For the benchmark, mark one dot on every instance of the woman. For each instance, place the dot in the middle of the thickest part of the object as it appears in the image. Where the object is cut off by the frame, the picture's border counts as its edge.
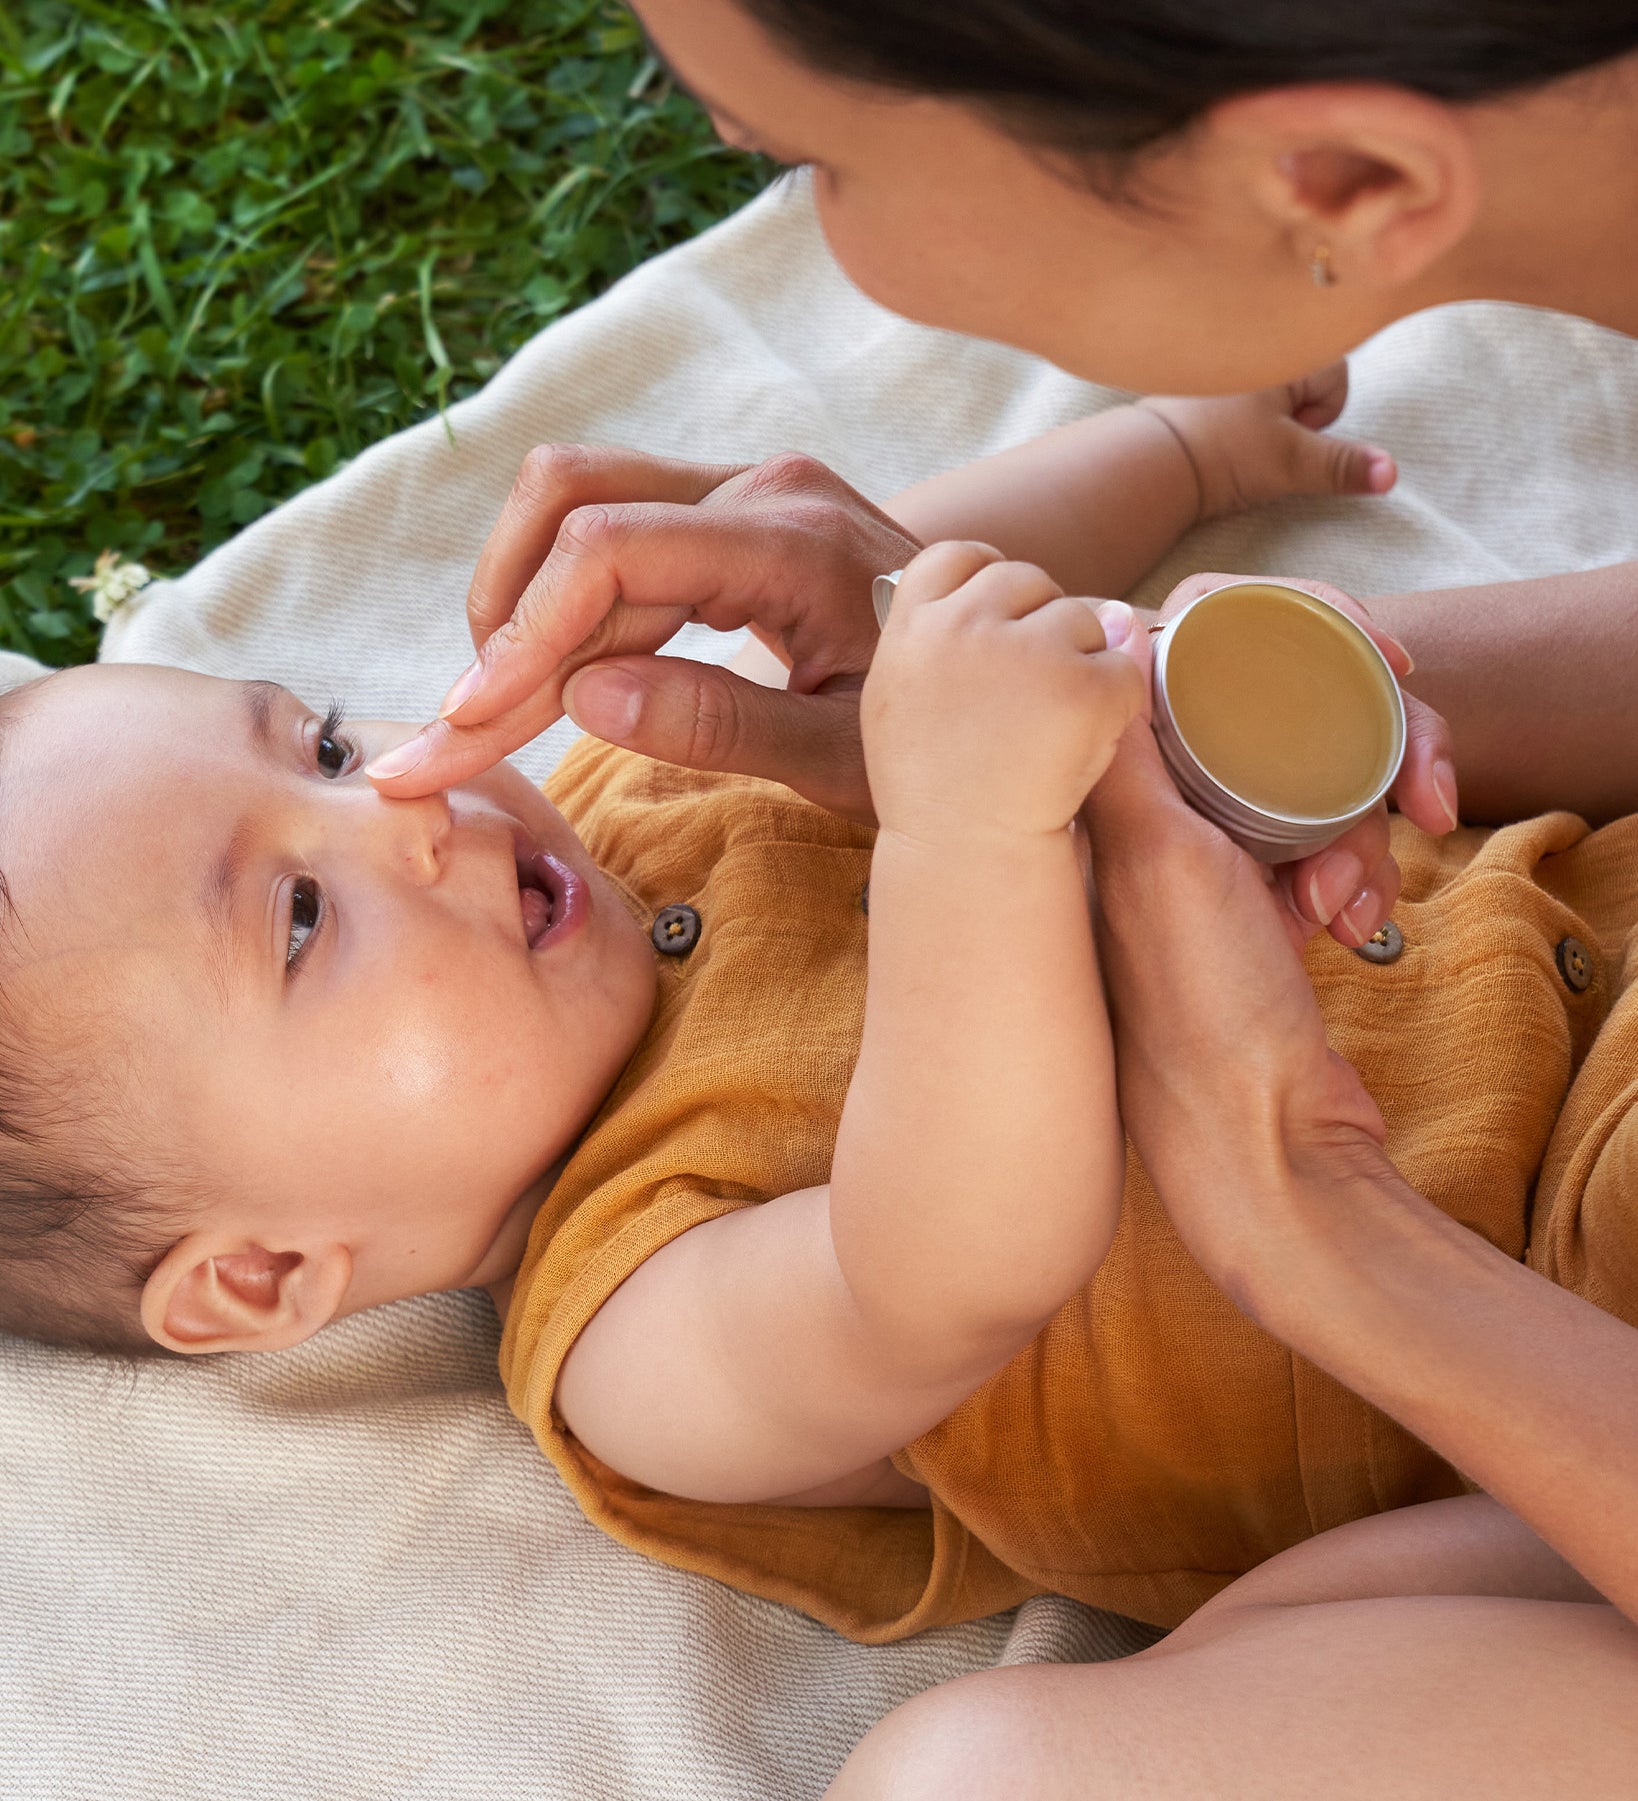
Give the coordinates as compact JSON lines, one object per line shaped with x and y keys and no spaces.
{"x":1202,"y":195}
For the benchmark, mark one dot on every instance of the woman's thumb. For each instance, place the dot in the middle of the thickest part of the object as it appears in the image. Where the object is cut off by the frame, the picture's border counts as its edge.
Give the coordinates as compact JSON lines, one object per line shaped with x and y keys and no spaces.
{"x":704,"y":717}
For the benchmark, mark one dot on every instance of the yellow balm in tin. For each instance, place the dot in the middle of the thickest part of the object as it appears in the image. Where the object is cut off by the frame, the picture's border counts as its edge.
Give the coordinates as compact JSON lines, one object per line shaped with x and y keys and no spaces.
{"x":1278,"y":717}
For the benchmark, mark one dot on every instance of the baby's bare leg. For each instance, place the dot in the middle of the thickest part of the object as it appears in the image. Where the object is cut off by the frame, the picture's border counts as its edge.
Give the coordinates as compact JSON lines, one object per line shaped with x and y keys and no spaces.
{"x":1287,"y":1691}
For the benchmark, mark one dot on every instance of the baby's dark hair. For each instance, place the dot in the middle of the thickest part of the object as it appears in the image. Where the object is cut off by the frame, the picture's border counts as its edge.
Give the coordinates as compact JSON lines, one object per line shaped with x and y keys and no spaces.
{"x":1104,"y":79}
{"x":83,"y":1219}
{"x":80,"y":1233}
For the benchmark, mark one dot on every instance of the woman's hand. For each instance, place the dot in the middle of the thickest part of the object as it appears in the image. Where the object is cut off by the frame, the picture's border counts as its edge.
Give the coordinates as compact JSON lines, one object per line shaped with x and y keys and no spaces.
{"x":1224,"y":1065}
{"x":1266,"y":1151}
{"x":1350,"y":886}
{"x":601,"y":556}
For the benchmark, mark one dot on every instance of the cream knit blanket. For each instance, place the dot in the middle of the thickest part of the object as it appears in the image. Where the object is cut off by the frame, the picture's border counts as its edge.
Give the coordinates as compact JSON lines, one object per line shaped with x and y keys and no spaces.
{"x":344,"y":1570}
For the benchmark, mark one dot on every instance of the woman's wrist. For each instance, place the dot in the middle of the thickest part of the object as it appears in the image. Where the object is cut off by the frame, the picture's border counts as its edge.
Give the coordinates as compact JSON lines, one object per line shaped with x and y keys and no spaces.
{"x":1259,"y":1216}
{"x":1316,"y":1228}
{"x":1337,"y":1256}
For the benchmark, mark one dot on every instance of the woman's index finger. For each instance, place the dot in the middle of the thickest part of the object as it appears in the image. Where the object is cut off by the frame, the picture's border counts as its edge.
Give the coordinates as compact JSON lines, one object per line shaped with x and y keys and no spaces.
{"x":552,"y":482}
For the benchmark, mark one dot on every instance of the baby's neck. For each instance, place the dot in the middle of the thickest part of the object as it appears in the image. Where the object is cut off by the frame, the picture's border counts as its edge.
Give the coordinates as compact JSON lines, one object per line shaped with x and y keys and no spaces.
{"x":499,"y":1271}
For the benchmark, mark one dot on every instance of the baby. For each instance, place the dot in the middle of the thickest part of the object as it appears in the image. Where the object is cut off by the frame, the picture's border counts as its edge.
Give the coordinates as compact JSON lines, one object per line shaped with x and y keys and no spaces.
{"x":830,"y":1280}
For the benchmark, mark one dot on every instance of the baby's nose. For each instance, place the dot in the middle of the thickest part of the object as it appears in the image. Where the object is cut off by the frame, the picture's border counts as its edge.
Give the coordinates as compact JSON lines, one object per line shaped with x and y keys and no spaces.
{"x":415,"y":835}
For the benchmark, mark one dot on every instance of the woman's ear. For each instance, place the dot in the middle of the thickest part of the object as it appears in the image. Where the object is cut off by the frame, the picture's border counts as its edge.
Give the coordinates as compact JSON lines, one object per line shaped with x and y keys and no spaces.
{"x":211,"y":1293}
{"x":1378,"y":183}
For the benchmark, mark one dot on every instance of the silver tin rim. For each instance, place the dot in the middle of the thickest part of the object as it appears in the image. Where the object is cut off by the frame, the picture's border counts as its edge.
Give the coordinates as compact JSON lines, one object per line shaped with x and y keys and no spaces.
{"x":1268,"y":835}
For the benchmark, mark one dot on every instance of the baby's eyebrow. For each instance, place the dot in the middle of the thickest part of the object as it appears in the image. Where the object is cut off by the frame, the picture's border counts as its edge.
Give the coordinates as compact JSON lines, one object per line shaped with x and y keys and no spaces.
{"x":261,"y":698}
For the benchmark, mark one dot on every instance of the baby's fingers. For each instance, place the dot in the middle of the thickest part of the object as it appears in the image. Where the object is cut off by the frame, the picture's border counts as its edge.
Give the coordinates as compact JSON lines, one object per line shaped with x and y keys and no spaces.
{"x":1324,"y":464}
{"x":938,"y":571}
{"x":1071,"y":621}
{"x":1114,"y":663}
{"x":1317,"y":400}
{"x":1122,"y":690}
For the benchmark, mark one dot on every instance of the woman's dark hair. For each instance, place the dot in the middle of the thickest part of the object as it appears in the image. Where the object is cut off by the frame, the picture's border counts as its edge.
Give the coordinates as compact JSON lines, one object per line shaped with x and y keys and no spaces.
{"x":1107,"y":78}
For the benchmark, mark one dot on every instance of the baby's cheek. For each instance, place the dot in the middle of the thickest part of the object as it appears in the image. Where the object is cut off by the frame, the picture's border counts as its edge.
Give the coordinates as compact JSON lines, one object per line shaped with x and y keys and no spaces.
{"x":469,"y":1036}
{"x":417,"y":1064}
{"x":456,"y":1098}
{"x":440,"y":1035}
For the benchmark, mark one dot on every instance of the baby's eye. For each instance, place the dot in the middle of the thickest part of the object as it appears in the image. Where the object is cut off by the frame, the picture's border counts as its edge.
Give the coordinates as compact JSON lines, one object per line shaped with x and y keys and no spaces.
{"x":333,"y":752}
{"x":306,"y":910}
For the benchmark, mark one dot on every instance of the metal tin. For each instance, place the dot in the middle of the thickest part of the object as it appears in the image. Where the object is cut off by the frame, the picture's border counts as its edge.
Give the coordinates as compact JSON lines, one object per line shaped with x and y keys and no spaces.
{"x":1269,"y":836}
{"x":882,"y":590}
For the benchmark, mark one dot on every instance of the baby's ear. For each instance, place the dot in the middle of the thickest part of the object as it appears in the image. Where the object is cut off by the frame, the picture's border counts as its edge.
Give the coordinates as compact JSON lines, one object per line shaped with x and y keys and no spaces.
{"x":212,"y":1293}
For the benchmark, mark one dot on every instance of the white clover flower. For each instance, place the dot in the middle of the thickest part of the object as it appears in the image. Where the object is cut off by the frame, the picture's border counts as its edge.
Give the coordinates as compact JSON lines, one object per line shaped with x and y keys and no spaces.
{"x":111,"y":583}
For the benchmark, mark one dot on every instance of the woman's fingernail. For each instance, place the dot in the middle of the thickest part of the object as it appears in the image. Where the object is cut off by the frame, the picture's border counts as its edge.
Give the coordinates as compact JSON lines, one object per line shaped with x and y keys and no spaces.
{"x":604,"y":702}
{"x":466,"y":685}
{"x":400,"y":760}
{"x":1338,"y":875}
{"x":1116,"y":618}
{"x":1400,"y":660}
{"x":1361,"y":917}
{"x":1444,"y":785}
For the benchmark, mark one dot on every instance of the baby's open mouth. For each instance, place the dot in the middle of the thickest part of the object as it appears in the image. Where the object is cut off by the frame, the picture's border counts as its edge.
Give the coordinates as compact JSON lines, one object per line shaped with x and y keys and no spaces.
{"x":552,"y":898}
{"x":542,"y":892}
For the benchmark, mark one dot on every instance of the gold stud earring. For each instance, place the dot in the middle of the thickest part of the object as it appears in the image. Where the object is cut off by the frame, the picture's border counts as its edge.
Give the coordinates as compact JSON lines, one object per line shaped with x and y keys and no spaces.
{"x":1320,"y":268}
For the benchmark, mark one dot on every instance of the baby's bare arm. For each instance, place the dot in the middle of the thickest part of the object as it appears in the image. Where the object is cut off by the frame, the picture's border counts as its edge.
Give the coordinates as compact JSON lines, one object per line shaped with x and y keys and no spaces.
{"x":977,"y":1175}
{"x":1100,"y":502}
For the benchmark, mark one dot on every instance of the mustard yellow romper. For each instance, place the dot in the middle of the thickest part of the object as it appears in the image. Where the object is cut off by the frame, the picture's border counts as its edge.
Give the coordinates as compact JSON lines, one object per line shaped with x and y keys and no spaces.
{"x":1151,"y":1444}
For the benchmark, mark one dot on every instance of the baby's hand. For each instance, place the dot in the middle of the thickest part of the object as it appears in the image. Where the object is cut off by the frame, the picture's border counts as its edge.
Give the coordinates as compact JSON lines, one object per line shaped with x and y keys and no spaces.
{"x":1251,"y":448}
{"x":992,"y":706}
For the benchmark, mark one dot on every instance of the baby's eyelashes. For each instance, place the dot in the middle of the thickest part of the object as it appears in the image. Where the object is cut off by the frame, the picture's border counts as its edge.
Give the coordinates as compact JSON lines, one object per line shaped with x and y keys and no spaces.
{"x":334,"y":752}
{"x":306,"y":912}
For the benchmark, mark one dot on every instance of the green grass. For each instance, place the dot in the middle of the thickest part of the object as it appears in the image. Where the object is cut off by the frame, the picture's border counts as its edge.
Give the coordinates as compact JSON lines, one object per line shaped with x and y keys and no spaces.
{"x":242,"y":239}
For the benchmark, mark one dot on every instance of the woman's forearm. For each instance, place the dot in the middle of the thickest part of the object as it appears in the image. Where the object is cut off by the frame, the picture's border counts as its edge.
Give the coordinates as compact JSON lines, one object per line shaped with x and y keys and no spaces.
{"x":1528,"y":1390}
{"x":1539,"y":681}
{"x":1266,"y":1150}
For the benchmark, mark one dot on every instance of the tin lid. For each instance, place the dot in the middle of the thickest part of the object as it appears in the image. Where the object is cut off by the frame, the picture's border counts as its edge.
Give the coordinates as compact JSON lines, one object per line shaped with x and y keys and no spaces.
{"x":882,"y":590}
{"x":1213,"y":793}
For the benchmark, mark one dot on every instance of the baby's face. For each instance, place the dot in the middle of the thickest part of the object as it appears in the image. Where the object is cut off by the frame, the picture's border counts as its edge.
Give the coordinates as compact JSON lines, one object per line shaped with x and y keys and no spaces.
{"x":359,"y":1022}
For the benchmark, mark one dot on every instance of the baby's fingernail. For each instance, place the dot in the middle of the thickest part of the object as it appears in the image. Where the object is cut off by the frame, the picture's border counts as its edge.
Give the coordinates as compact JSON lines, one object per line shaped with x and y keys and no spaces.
{"x":1116,"y":618}
{"x":1444,"y":785}
{"x":1334,"y":878}
{"x":400,"y":760}
{"x":466,"y":685}
{"x":1380,"y":472}
{"x":604,"y":702}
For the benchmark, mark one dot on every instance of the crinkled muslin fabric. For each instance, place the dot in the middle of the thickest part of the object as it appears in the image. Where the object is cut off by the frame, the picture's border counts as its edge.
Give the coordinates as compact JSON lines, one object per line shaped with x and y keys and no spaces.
{"x":346,"y":1570}
{"x":1151,"y":1443}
